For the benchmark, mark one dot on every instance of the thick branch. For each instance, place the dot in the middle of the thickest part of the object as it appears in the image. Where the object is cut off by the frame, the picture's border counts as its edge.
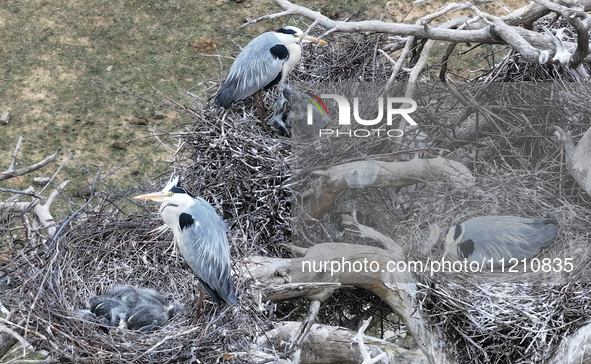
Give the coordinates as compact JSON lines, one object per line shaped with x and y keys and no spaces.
{"x":43,"y":218}
{"x":506,"y":29}
{"x":330,"y":344}
{"x":576,"y":18}
{"x":397,"y":289}
{"x":381,"y":174}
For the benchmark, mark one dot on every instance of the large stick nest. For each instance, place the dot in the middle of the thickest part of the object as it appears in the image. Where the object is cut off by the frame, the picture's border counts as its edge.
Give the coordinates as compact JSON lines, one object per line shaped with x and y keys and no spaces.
{"x":244,"y":172}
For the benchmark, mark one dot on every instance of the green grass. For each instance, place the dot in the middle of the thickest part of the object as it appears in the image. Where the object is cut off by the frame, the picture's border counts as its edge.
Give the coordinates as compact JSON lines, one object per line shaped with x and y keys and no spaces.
{"x":53,"y":51}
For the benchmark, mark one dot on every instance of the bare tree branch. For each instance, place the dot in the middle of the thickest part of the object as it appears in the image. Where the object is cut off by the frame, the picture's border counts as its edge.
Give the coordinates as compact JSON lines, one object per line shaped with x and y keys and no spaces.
{"x":381,"y":174}
{"x":13,"y":172}
{"x":482,"y":29}
{"x":397,"y":289}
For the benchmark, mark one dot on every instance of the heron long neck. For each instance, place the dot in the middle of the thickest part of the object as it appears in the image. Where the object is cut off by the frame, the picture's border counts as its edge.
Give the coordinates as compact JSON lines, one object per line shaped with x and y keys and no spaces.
{"x":295,"y":54}
{"x":171,"y":211}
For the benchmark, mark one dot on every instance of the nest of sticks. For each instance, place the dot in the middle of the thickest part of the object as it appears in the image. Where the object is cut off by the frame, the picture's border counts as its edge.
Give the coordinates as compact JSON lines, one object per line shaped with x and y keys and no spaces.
{"x":245,"y":172}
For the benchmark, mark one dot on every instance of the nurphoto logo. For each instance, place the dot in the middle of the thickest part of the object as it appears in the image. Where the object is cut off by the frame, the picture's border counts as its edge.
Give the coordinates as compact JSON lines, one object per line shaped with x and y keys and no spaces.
{"x":316,"y":101}
{"x":406,"y":107}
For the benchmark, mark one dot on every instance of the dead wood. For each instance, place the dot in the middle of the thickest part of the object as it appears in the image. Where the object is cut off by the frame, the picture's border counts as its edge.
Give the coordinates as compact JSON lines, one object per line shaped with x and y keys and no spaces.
{"x":330,"y":344}
{"x":397,"y":289}
{"x":483,"y":28}
{"x":336,"y":179}
{"x":11,"y":171}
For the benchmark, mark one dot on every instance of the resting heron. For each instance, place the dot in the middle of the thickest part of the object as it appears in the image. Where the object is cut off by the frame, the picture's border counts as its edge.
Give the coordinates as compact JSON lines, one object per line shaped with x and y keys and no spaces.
{"x":263,"y":63}
{"x":133,"y":308}
{"x":201,"y":237}
{"x":497,"y":237}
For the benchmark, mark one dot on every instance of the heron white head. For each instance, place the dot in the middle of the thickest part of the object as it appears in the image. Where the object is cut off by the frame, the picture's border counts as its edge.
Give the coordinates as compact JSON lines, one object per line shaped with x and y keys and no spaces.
{"x":452,"y":238}
{"x":171,"y":192}
{"x":289,"y":34}
{"x":200,"y":234}
{"x":174,"y":201}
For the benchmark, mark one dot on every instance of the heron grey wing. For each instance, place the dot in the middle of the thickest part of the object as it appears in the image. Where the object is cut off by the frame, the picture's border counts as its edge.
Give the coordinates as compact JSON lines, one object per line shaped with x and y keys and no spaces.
{"x":512,"y":237}
{"x":147,"y":317}
{"x":535,"y":234}
{"x":204,"y":246}
{"x":254,"y":68}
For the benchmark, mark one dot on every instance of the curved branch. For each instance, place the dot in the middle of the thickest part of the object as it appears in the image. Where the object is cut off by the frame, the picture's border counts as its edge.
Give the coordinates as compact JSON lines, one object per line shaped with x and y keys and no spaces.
{"x":381,"y":174}
{"x":501,"y":30}
{"x":13,"y":172}
{"x":397,"y":289}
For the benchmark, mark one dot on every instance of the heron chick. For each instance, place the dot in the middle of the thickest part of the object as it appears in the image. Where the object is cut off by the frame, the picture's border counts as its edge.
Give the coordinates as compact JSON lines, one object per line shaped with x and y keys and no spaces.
{"x":499,"y":237}
{"x":263,"y":63}
{"x":201,"y":238}
{"x":128,"y":307}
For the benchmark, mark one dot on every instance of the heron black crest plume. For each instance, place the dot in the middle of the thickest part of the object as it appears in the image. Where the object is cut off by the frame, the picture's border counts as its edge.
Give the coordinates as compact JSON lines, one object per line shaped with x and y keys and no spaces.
{"x":201,"y":238}
{"x":264,"y":62}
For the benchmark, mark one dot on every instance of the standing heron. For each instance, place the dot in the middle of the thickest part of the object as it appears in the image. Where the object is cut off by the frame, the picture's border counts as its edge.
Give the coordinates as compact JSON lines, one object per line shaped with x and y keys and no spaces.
{"x":201,"y":237}
{"x":263,"y":63}
{"x":499,"y":237}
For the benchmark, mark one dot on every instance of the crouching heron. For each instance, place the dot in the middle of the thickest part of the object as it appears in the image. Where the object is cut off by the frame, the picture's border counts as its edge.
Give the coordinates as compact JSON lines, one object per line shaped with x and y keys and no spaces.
{"x":133,"y":308}
{"x":499,"y":237}
{"x":263,"y":63}
{"x":201,"y":237}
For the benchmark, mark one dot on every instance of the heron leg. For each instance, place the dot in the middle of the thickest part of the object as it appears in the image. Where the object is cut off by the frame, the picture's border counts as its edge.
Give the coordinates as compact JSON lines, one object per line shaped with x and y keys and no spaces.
{"x":199,"y":305}
{"x":259,"y":103}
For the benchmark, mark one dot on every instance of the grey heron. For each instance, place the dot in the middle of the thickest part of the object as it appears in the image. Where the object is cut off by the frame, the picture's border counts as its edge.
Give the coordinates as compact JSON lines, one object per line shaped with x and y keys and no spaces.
{"x":201,"y":237}
{"x":148,"y":317}
{"x":133,"y":308}
{"x":497,"y":237}
{"x":132,"y":296}
{"x":111,"y":311}
{"x":263,"y":63}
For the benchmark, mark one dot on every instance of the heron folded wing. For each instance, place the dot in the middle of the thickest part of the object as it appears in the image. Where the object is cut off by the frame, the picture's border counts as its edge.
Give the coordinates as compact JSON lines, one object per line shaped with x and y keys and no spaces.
{"x":205,"y":248}
{"x":254,"y":68}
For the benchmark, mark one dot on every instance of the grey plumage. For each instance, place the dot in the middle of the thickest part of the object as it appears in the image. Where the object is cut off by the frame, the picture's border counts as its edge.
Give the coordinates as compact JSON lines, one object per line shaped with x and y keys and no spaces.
{"x":134,"y":308}
{"x":147,"y":317}
{"x":201,"y":237}
{"x":112,"y":311}
{"x":254,"y":68}
{"x":133,"y":296}
{"x":204,"y":246}
{"x":264,"y":62}
{"x":498,"y":237}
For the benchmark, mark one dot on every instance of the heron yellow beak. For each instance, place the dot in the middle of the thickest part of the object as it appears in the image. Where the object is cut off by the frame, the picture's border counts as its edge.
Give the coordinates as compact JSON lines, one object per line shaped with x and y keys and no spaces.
{"x":312,"y":39}
{"x":156,"y":196}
